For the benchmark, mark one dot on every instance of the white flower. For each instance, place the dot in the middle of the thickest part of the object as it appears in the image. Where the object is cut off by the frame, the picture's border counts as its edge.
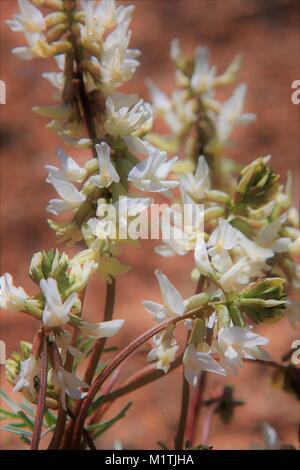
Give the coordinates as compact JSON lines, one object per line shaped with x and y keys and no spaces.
{"x":71,"y":197}
{"x":29,"y":20}
{"x":69,"y":384}
{"x":70,"y":170}
{"x":231,"y":113}
{"x":236,"y":276}
{"x":196,"y":184}
{"x":159,"y":99}
{"x":173,"y":304}
{"x":203,"y":76}
{"x":107,"y":171}
{"x":104,"y":15}
{"x":150,"y":174}
{"x":224,"y":237}
{"x":182,"y":114}
{"x":56,"y":313}
{"x":201,"y":258}
{"x":128,"y":208}
{"x":252,"y":250}
{"x":181,"y":227}
{"x":118,"y":63}
{"x":268,"y":237}
{"x":101,"y":330}
{"x":163,"y":352}
{"x":127,"y":114}
{"x":270,"y":437}
{"x":236,"y":343}
{"x":63,"y":341}
{"x":82,"y":273}
{"x":11,"y":298}
{"x":195,"y":362}
{"x":24,"y":52}
{"x":29,"y":369}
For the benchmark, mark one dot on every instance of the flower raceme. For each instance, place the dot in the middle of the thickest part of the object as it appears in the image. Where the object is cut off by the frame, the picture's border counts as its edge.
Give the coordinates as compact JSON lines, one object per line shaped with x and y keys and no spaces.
{"x":245,"y":236}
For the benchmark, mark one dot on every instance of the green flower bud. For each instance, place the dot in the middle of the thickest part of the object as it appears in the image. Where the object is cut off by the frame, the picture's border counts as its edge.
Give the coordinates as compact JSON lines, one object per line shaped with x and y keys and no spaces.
{"x":264,"y":299}
{"x":258,"y":184}
{"x":198,"y":332}
{"x":196,"y":301}
{"x":48,"y":264}
{"x":236,"y":316}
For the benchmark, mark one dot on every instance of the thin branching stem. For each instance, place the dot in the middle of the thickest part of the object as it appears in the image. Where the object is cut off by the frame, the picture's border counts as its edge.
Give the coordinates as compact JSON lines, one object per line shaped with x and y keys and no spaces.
{"x":118,"y":359}
{"x":41,"y":403}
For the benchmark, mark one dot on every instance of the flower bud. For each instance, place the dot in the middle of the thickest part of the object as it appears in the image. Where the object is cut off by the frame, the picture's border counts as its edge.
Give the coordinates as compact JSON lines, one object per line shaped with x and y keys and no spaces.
{"x":197,"y":301}
{"x":258,"y":184}
{"x":48,"y":264}
{"x":236,"y":316}
{"x":264,"y":299}
{"x":217,"y":196}
{"x":197,"y":333}
{"x":213,"y":213}
{"x":54,"y":19}
{"x":56,"y":32}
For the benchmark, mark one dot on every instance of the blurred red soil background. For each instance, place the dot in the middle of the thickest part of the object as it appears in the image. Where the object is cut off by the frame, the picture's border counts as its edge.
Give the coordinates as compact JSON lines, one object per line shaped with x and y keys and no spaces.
{"x":266,"y":33}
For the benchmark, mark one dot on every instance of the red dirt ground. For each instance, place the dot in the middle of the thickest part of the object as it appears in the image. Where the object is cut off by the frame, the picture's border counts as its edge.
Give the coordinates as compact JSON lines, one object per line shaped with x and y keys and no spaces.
{"x":266,"y":33}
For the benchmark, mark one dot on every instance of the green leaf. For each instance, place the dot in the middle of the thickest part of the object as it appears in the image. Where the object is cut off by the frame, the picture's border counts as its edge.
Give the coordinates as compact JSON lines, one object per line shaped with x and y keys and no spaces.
{"x":25,"y":440}
{"x":27,"y":421}
{"x":16,"y":430}
{"x":49,"y":418}
{"x":4,"y":414}
{"x":8,"y":401}
{"x":100,"y":428}
{"x":29,"y":409}
{"x":162,"y":445}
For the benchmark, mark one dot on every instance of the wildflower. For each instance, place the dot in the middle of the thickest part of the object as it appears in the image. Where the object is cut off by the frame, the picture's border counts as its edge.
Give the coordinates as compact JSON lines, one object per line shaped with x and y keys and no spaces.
{"x":101,"y":330}
{"x":29,"y":369}
{"x":63,"y":341}
{"x":71,"y":197}
{"x":203,"y":76}
{"x":70,"y":170}
{"x":196,"y":184}
{"x":56,"y":313}
{"x":231,"y":113}
{"x":159,"y":99}
{"x":127,"y":114}
{"x":11,"y":298}
{"x":236,"y":343}
{"x":150,"y":174}
{"x":68,"y":384}
{"x":173,"y":304}
{"x":30,"y":19}
{"x":163,"y":352}
{"x":195,"y":362}
{"x":107,"y":171}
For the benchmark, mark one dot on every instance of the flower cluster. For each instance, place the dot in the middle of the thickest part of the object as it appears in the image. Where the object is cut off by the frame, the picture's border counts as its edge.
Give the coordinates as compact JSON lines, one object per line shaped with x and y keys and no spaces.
{"x":240,"y":224}
{"x":58,"y":304}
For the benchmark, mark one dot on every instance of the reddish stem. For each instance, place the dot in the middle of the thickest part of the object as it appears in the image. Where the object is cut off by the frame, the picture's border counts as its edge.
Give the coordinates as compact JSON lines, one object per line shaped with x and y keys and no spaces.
{"x":39,"y":416}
